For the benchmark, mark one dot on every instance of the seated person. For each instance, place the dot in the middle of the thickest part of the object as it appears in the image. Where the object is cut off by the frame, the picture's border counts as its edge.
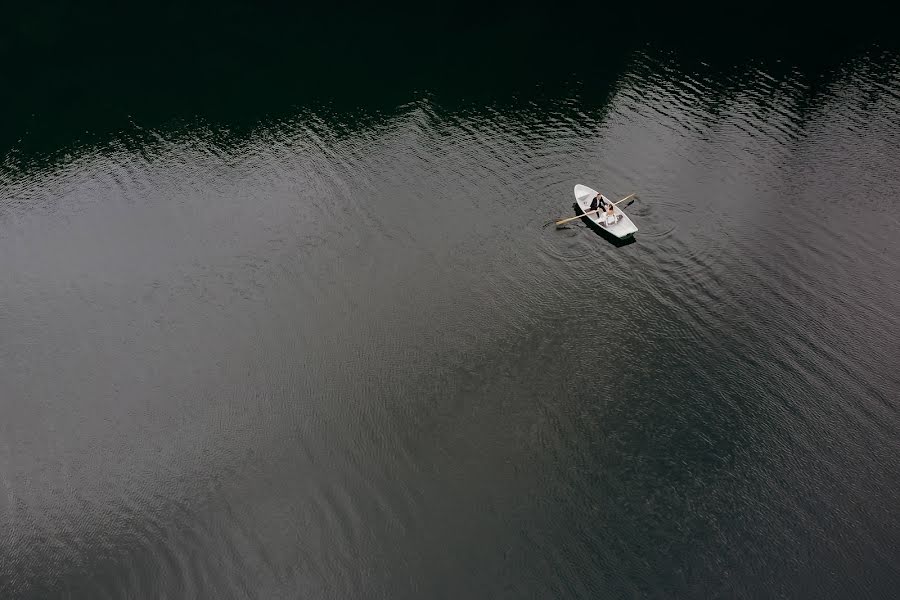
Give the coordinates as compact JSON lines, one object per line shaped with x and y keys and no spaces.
{"x":611,"y":215}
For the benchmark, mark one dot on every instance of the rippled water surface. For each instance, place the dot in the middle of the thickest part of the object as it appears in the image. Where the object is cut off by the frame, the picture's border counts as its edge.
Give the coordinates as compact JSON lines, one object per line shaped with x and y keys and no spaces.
{"x":336,"y":351}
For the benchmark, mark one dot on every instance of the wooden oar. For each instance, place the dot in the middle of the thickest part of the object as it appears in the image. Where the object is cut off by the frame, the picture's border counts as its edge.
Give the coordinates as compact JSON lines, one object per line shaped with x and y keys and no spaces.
{"x":590,"y":212}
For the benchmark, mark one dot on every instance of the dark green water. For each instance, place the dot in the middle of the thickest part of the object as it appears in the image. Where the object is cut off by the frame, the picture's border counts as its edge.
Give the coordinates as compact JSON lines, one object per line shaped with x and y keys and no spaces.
{"x":280,"y":316}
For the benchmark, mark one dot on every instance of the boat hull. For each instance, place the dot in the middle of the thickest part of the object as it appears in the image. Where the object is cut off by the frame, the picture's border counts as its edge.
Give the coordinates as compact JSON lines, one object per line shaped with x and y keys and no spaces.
{"x":623,"y":227}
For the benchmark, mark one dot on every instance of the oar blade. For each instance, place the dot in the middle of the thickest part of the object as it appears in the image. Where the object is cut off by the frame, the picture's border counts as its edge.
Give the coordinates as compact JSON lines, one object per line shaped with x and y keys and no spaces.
{"x":626,"y":200}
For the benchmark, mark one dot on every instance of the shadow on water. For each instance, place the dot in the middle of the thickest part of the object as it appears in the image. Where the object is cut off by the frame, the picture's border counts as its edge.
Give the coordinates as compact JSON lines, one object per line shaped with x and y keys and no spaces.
{"x":618,"y":243}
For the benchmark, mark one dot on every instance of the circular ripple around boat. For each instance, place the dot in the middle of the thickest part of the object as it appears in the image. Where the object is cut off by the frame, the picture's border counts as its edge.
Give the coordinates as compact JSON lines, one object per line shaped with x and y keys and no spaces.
{"x":573,"y":241}
{"x":650,"y":220}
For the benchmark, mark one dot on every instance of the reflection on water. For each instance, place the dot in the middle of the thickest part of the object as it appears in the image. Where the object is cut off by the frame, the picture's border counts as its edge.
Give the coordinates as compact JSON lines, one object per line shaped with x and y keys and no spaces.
{"x":335,"y":353}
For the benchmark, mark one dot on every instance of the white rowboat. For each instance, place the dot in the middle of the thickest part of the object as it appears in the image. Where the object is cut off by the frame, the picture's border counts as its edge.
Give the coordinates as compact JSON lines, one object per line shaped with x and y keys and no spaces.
{"x":622,"y":227}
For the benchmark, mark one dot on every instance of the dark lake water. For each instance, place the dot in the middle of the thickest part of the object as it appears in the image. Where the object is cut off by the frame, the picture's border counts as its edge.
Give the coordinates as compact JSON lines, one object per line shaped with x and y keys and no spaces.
{"x":281,"y":315}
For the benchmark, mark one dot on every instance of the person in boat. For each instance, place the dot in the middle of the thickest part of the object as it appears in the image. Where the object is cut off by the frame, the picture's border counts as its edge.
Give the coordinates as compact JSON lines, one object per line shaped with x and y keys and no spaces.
{"x":610,"y":214}
{"x":598,"y":202}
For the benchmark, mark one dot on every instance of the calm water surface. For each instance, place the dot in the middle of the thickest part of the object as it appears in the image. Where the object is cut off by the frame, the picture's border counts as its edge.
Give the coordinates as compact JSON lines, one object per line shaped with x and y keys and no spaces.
{"x":329,"y":348}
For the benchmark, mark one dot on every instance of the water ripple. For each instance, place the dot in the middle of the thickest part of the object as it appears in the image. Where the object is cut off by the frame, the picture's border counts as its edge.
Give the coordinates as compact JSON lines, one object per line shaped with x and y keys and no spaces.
{"x":341,"y":352}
